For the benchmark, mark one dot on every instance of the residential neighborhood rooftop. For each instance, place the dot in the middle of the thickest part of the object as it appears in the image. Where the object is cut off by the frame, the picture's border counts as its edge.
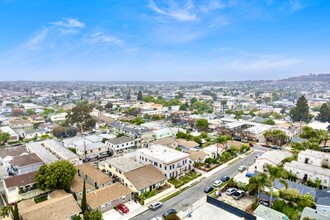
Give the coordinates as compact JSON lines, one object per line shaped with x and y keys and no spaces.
{"x":106,"y":194}
{"x":123,"y":163}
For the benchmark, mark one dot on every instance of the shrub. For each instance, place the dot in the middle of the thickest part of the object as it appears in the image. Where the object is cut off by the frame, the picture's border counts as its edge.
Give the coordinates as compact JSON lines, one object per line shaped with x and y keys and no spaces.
{"x":290,"y":194}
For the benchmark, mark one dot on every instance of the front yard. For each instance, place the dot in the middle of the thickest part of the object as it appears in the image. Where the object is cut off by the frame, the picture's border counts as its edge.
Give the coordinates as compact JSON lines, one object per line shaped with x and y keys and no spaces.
{"x":177,"y":182}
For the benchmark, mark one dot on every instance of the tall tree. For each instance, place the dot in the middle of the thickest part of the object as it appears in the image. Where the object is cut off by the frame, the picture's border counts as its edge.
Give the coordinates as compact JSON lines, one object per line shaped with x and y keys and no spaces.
{"x":278,"y":137}
{"x":139,"y":96}
{"x":15,"y":212}
{"x":300,"y":113}
{"x":202,"y":125}
{"x":223,"y":103}
{"x":80,"y":116}
{"x":256,"y":184}
{"x":274,"y":172}
{"x":324,"y":115}
{"x":83,"y":200}
{"x":4,"y":137}
{"x":57,"y":175}
{"x":128,"y":97}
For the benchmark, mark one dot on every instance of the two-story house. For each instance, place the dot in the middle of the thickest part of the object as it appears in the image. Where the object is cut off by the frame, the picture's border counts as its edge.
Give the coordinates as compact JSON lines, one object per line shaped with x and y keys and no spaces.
{"x":170,"y":162}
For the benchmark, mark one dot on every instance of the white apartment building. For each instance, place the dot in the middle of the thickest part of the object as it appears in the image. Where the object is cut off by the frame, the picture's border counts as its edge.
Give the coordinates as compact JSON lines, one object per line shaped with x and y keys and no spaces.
{"x":307,"y":171}
{"x":121,"y":145}
{"x":315,"y":158}
{"x":170,"y":162}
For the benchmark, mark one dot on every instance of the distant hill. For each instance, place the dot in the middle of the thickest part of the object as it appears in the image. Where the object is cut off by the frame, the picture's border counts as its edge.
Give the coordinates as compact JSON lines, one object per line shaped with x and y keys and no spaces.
{"x":309,"y":78}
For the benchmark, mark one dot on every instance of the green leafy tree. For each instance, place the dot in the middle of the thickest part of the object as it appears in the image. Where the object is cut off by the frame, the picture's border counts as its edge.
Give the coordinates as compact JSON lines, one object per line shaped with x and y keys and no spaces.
{"x":172,"y":217}
{"x":4,"y":137}
{"x":277,"y":137}
{"x":140,"y":96}
{"x":193,"y":100}
{"x":300,"y":113}
{"x":83,"y":199}
{"x":269,"y":121}
{"x":202,"y":125}
{"x":306,"y":201}
{"x":324,"y":115}
{"x":29,"y":112}
{"x":95,"y":214}
{"x":108,"y":106}
{"x":80,"y":116}
{"x":4,"y":211}
{"x":57,"y":175}
{"x":86,"y":215}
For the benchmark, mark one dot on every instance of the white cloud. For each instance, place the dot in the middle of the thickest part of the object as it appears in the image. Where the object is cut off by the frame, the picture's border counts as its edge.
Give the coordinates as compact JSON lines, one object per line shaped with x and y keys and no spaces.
{"x":295,"y":5}
{"x":262,"y":63}
{"x":212,"y":5}
{"x":69,"y":23}
{"x":101,"y":38}
{"x":183,"y":13}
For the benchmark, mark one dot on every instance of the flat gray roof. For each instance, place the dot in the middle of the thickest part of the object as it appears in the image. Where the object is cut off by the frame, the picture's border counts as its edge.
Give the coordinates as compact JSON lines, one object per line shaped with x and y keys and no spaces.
{"x":123,"y":163}
{"x":59,"y":149}
{"x":46,"y":156}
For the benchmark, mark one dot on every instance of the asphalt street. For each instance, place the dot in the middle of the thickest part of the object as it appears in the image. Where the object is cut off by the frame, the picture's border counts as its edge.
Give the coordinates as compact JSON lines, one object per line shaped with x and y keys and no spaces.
{"x":191,"y":195}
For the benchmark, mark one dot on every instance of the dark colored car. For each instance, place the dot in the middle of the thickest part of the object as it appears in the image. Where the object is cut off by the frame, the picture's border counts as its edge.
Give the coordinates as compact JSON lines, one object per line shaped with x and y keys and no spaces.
{"x":238,"y":194}
{"x":208,"y":189}
{"x":123,"y":208}
{"x":225,"y":178}
{"x":169,"y":212}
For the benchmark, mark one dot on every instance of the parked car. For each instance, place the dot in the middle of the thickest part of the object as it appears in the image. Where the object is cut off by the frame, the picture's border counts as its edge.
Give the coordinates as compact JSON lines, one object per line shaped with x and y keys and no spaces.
{"x":242,"y":168}
{"x":123,"y":208}
{"x":266,"y":145}
{"x":264,"y":202}
{"x":155,"y":205}
{"x":225,"y":178}
{"x":248,"y":174}
{"x":238,"y":194}
{"x":217,"y":183}
{"x":250,"y":144}
{"x":169,"y":212}
{"x":156,"y":218}
{"x":208,"y":189}
{"x":231,"y":191}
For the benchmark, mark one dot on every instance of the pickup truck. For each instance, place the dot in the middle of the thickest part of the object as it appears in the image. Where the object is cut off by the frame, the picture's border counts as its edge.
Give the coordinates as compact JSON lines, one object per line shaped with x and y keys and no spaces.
{"x":238,"y":194}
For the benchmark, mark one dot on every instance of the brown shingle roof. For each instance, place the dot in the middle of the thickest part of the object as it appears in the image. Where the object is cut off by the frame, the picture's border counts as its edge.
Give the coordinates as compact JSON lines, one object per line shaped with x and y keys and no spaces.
{"x":96,"y":175}
{"x":164,"y":141}
{"x":106,"y":194}
{"x":77,"y":184}
{"x":54,"y":209}
{"x":197,"y":155}
{"x":21,"y":180}
{"x":12,"y":151}
{"x":145,"y":176}
{"x":25,"y":160}
{"x":187,"y":144}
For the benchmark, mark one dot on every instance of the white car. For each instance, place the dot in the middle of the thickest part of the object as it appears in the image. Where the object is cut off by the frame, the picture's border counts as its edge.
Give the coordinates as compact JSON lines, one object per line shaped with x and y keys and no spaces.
{"x":156,"y":218}
{"x":217,"y":183}
{"x":242,"y":168}
{"x":155,"y":205}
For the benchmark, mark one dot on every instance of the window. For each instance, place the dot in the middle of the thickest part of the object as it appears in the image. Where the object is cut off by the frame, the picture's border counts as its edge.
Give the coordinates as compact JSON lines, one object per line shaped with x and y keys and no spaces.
{"x":123,"y":198}
{"x":155,"y":164}
{"x":325,"y":181}
{"x":165,"y":167}
{"x":108,"y":204}
{"x":160,"y":165}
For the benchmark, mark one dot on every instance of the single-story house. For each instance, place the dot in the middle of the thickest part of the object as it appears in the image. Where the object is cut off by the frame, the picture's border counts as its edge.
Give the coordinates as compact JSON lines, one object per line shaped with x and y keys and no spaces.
{"x":108,"y":197}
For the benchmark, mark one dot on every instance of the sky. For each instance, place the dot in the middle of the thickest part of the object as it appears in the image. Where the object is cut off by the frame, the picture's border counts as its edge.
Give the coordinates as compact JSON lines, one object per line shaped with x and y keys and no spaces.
{"x":153,"y":40}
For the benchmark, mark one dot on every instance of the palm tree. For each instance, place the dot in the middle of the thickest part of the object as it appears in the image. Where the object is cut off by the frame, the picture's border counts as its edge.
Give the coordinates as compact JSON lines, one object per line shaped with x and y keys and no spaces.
{"x":274,"y":172}
{"x":257,"y":183}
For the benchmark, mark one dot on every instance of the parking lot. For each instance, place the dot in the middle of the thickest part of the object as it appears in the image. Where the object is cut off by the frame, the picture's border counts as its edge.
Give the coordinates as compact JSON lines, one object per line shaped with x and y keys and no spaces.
{"x":242,"y":203}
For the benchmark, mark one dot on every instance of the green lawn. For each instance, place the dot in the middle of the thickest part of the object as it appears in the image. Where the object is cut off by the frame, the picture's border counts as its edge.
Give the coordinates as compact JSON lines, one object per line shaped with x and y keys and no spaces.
{"x":184,"y":179}
{"x":40,"y":199}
